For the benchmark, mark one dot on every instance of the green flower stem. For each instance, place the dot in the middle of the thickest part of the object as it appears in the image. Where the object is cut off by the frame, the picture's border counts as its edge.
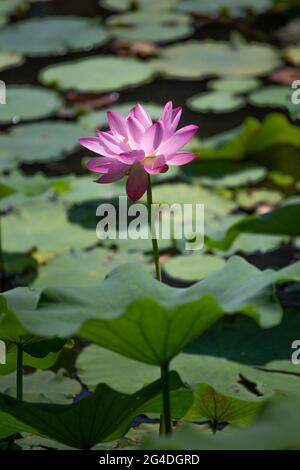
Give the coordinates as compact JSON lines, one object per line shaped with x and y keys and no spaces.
{"x":20,"y":372}
{"x":19,"y":387}
{"x":2,"y":267}
{"x":166,"y":427}
{"x":165,"y":418}
{"x":152,"y":231}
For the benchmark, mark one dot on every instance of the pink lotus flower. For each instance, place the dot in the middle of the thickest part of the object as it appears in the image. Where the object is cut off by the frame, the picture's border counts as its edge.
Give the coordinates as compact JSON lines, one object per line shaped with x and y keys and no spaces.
{"x":136,"y":147}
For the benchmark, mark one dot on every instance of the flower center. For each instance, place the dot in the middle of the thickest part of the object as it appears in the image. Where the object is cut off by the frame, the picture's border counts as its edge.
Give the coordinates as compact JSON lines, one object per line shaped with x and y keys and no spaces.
{"x":148,"y":160}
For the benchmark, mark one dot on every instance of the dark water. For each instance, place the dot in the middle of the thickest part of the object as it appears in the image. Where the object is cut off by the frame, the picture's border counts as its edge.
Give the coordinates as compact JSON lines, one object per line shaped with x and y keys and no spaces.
{"x":159,"y":91}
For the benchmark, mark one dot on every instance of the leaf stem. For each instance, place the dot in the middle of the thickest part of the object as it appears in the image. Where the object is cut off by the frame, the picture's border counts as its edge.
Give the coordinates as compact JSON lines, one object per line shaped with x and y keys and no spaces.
{"x":166,"y":426}
{"x":152,"y":230}
{"x":20,"y":371}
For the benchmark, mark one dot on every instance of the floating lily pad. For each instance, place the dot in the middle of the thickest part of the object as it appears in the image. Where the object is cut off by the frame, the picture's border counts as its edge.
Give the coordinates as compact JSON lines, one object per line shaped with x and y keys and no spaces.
{"x":43,"y":387}
{"x":41,"y":142}
{"x":97,"y":119}
{"x":150,"y":26}
{"x":10,"y":59}
{"x":24,"y":102}
{"x":8,"y":160}
{"x":53,"y":35}
{"x":249,"y":199}
{"x":97,"y":74}
{"x":232,"y":7}
{"x":95,"y":265}
{"x":215,"y":102}
{"x":272,"y":97}
{"x":125,"y":5}
{"x":42,"y":225}
{"x":192,"y":267}
{"x":195,"y":59}
{"x":234,"y":85}
{"x":222,"y":173}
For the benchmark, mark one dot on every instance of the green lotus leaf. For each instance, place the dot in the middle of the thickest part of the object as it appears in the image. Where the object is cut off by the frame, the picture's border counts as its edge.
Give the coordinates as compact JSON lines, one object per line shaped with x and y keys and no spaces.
{"x":10,"y":59}
{"x":94,"y":265}
{"x":146,"y":25}
{"x":280,"y":221}
{"x":272,"y":97}
{"x":192,"y":268}
{"x":54,"y":35}
{"x":234,"y":85}
{"x":126,"y":317}
{"x":232,"y":7}
{"x":222,"y":173}
{"x":25,"y":102}
{"x":275,"y":428}
{"x":124,"y":5}
{"x":41,"y":142}
{"x":220,"y":409}
{"x":216,"y":101}
{"x":43,"y":387}
{"x":104,"y":416}
{"x":37,"y":232}
{"x":97,"y":74}
{"x":195,"y":59}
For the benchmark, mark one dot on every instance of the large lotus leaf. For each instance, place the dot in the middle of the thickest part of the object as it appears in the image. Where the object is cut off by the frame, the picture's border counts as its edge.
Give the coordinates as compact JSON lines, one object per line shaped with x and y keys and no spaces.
{"x":25,"y":102}
{"x":42,"y":225}
{"x":43,"y":387}
{"x":223,"y":357}
{"x":10,"y":59}
{"x":98,"y":119}
{"x":95,"y":364}
{"x":187,"y":194}
{"x":251,"y":243}
{"x":215,"y":206}
{"x":195,"y":59}
{"x":275,"y":428}
{"x":83,"y":189}
{"x":98,"y":74}
{"x":253,"y":138}
{"x":94,"y":267}
{"x":222,"y":173}
{"x":234,"y":7}
{"x":234,"y":85}
{"x":216,"y":101}
{"x":292,"y":53}
{"x":28,"y":188}
{"x":41,"y":142}
{"x":150,"y":26}
{"x":222,"y":409}
{"x":124,"y":5}
{"x":280,"y":221}
{"x":104,"y":416}
{"x":124,"y":317}
{"x":53,"y":35}
{"x":242,"y":341}
{"x":192,"y":267}
{"x":37,"y":353}
{"x":248,"y":199}
{"x":272,"y":97}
